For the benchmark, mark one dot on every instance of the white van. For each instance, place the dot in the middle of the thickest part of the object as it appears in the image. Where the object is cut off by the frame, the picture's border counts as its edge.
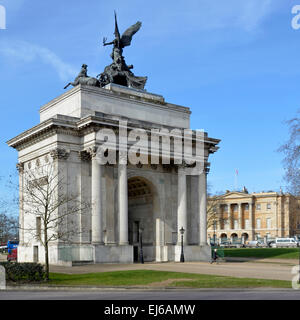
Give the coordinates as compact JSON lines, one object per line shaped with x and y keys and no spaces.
{"x":284,"y":242}
{"x":254,"y":244}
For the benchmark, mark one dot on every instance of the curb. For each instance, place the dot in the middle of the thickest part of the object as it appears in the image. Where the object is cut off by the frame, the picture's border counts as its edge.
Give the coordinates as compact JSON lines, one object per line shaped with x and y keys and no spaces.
{"x":152,"y":289}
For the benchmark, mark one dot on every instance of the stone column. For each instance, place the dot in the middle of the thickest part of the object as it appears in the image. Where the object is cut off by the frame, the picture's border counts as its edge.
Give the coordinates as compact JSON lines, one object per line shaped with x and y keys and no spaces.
{"x":20,"y":168}
{"x":251,"y":220}
{"x":202,"y":189}
{"x":182,"y":206}
{"x":229,"y":217}
{"x":123,"y":199}
{"x":240,"y":216}
{"x":97,"y":210}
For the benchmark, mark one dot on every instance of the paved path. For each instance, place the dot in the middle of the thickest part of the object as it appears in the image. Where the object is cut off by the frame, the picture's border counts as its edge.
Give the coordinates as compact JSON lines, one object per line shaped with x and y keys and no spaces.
{"x":234,"y":269}
{"x":265,"y":260}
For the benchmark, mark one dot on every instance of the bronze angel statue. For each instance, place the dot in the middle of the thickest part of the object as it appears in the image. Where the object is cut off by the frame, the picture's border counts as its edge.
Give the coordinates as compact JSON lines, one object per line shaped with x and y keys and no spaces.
{"x":120,"y":42}
{"x":119,"y":72}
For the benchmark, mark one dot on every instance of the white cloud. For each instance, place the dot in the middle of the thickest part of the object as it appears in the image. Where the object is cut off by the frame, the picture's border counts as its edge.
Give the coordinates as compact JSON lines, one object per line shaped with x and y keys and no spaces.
{"x":28,"y":53}
{"x":202,"y":15}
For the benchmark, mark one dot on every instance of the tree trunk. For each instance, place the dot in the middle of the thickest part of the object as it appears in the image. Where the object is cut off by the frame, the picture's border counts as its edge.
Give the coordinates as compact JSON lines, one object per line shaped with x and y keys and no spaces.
{"x":46,"y":255}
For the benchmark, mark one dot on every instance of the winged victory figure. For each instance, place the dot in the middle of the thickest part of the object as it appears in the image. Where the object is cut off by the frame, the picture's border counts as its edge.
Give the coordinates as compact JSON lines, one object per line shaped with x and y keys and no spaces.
{"x":120,"y":42}
{"x":119,"y":72}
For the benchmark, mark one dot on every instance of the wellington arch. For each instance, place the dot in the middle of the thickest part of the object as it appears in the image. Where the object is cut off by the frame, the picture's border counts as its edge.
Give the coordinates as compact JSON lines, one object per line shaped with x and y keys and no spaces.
{"x":132,"y":206}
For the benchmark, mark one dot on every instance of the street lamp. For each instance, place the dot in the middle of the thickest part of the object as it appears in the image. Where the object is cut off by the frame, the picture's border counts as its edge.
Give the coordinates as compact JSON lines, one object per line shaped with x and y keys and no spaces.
{"x":299,"y":264}
{"x":141,"y":245}
{"x":182,"y":255}
{"x":215,"y":223}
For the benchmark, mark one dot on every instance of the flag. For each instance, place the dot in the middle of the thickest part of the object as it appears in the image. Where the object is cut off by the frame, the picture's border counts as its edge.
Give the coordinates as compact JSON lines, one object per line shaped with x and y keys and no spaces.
{"x":237,"y":172}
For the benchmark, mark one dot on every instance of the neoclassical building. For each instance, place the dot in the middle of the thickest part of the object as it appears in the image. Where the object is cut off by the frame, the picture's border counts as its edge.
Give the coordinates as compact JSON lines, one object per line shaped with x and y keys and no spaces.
{"x":256,"y":215}
{"x":127,"y":200}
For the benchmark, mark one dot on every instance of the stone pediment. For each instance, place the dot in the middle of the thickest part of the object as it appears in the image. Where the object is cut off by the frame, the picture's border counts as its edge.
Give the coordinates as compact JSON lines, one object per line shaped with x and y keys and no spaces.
{"x":236,"y":195}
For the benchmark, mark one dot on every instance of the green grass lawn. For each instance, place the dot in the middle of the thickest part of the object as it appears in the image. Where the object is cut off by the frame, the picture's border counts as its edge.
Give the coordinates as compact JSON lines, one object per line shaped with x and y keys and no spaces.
{"x":147,"y":277}
{"x":275,"y":253}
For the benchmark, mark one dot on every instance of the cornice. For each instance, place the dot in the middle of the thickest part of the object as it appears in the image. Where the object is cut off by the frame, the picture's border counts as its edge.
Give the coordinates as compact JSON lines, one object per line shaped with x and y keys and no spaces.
{"x":42,"y":130}
{"x":87,"y":125}
{"x":113,"y":95}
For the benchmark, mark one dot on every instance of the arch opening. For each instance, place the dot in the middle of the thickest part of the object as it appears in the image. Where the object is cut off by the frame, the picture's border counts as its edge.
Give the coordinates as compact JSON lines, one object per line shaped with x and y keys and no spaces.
{"x":141,"y":227}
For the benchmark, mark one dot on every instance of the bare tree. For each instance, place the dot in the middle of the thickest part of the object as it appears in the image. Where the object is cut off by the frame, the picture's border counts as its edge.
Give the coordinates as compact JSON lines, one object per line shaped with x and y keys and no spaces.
{"x":8,"y":227}
{"x":213,"y":203}
{"x":213,"y":212}
{"x":50,"y":211}
{"x":291,"y":151}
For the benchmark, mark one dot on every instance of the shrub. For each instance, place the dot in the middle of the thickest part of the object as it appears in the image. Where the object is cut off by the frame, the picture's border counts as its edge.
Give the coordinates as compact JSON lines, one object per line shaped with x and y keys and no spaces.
{"x":19,"y":272}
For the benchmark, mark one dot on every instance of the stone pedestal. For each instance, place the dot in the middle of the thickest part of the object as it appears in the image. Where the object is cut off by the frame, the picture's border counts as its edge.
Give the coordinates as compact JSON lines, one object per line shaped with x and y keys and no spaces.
{"x":193,"y":253}
{"x":113,"y":254}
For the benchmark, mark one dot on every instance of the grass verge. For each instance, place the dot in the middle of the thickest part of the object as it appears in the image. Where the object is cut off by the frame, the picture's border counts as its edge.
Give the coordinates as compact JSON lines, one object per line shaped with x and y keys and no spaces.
{"x":148,"y":277}
{"x":263,"y":253}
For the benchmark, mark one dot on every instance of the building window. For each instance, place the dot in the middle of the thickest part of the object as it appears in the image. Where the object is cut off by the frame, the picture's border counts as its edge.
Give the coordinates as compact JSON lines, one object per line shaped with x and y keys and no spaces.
{"x":225,"y":207}
{"x":236,"y":224}
{"x":235,"y":208}
{"x":258,"y":206}
{"x":226,"y":224}
{"x":246,"y":206}
{"x":258,"y":223}
{"x":269,"y":223}
{"x":268,"y":206}
{"x":247,"y":224}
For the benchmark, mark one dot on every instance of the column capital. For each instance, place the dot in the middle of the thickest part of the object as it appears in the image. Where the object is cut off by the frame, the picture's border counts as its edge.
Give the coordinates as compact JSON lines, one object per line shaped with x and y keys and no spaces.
{"x":84,"y":155}
{"x":20,"y":167}
{"x":206,"y":168}
{"x":92,"y":151}
{"x":59,"y":153}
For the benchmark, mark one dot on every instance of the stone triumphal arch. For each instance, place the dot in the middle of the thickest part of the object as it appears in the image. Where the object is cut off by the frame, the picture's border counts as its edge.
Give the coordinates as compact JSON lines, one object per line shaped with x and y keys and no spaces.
{"x":127,"y":200}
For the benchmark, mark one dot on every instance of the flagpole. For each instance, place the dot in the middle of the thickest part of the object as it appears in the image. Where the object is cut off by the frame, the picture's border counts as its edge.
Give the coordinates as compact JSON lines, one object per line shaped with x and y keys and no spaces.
{"x":236,"y":179}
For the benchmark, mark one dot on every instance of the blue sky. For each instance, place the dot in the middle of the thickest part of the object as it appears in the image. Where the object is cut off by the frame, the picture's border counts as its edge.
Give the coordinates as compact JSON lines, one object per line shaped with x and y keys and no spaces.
{"x":234,"y":63}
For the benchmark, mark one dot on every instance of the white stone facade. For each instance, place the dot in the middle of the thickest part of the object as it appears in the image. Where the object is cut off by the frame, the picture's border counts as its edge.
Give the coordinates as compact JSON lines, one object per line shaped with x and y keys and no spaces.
{"x":125,"y":198}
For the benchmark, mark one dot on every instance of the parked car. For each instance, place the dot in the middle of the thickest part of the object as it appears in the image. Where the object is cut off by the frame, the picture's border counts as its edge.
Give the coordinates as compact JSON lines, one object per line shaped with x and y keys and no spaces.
{"x":226,"y":244}
{"x":255,"y":244}
{"x":284,"y":242}
{"x":13,"y":255}
{"x":297,"y":239}
{"x":3,"y":248}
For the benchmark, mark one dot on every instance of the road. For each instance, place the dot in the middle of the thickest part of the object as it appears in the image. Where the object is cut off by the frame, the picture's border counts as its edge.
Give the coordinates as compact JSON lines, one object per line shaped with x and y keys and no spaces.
{"x":153,"y":295}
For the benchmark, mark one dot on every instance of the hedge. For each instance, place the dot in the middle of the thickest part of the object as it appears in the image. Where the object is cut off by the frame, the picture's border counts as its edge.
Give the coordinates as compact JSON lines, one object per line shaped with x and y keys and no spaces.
{"x":27,"y":272}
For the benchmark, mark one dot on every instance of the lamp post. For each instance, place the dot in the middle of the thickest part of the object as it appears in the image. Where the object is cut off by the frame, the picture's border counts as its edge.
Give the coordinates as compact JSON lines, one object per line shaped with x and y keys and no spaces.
{"x":215,"y":223}
{"x":182,"y":255}
{"x":141,"y":245}
{"x":299,"y":263}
